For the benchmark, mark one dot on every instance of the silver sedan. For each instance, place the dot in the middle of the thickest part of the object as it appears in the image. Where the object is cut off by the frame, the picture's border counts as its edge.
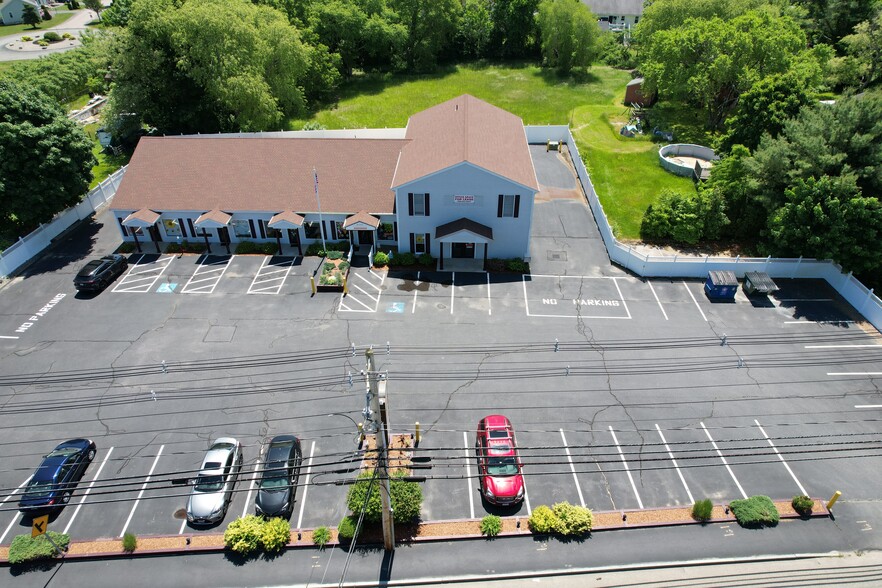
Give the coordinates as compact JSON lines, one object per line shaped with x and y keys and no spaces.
{"x":213,"y":489}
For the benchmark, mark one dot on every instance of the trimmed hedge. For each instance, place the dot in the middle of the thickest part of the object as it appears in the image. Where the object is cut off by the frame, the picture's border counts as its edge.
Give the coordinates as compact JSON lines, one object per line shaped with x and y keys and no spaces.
{"x":404,"y":259}
{"x":802,"y":504}
{"x":346,"y":528}
{"x":246,"y":247}
{"x":702,"y":510}
{"x":25,"y":548}
{"x":381,"y":259}
{"x":563,"y":518}
{"x":542,"y":520}
{"x":755,"y":511}
{"x":426,"y":260}
{"x":407,"y":498}
{"x":316,"y":248}
{"x":276,"y":534}
{"x":491,"y":525}
{"x":252,"y":532}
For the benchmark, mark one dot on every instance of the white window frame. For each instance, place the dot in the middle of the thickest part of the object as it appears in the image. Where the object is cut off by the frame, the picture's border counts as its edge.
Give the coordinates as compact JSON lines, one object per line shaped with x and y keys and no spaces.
{"x":508,"y":205}
{"x":419,"y":205}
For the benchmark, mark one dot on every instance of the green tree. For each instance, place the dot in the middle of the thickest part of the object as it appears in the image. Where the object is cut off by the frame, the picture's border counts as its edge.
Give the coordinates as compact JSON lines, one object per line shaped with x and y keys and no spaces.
{"x":684,"y":218}
{"x":570,"y":34}
{"x":45,"y":159}
{"x":515,"y":32}
{"x":864,"y":49}
{"x":729,"y":184}
{"x":407,"y":498}
{"x":663,"y":15}
{"x":834,"y":19}
{"x":475,"y":29}
{"x":117,"y":14}
{"x":30,"y":16}
{"x":710,"y":63}
{"x":211,"y":65}
{"x":94,"y":5}
{"x":765,"y":107}
{"x":828,"y":218}
{"x":431,"y":26}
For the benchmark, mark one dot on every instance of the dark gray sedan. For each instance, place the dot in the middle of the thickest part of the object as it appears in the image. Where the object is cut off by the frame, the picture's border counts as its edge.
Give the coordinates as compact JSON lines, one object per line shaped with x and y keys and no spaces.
{"x":278,"y":481}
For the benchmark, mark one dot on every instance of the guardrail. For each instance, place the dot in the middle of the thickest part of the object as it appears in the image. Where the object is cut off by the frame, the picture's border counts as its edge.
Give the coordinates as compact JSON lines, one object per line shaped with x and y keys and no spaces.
{"x":31,"y":245}
{"x":679,"y":266}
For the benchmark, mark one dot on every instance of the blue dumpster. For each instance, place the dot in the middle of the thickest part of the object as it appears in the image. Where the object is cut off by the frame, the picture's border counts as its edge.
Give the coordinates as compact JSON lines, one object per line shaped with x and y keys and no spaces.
{"x":721,"y":285}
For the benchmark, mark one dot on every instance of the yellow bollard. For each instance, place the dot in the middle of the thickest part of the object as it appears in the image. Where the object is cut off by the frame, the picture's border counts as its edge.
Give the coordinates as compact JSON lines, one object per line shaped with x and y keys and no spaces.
{"x":418,"y":436}
{"x":345,"y":287}
{"x":833,"y":499}
{"x":312,"y":284}
{"x":360,"y":433}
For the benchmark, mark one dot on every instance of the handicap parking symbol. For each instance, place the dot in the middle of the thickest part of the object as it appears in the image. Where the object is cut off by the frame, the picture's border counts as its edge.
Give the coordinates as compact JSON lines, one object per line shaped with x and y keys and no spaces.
{"x":167,"y":288}
{"x":397,"y":307}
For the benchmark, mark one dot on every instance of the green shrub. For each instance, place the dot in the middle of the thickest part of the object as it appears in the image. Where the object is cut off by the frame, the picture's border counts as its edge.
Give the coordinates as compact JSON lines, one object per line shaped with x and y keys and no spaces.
{"x":343,"y":266}
{"x":407,"y":498}
{"x":491,"y":525}
{"x":25,"y":548}
{"x":346,"y":528}
{"x":702,"y":510}
{"x":572,"y":519}
{"x":404,"y":259}
{"x":52,"y":36}
{"x":494,"y":265}
{"x":268,"y":248}
{"x":755,"y":511}
{"x":244,"y":535}
{"x":129,"y":542}
{"x":426,"y":260}
{"x":315,"y":249}
{"x":335,"y":255}
{"x":381,"y":259}
{"x":802,"y":504}
{"x":328,"y":267}
{"x":127,"y":247}
{"x":27,"y":38}
{"x":543,"y":520}
{"x":246,"y":247}
{"x":684,"y":218}
{"x":43,"y":43}
{"x":321,"y":536}
{"x":67,"y":36}
{"x":517,"y":265}
{"x":276,"y":534}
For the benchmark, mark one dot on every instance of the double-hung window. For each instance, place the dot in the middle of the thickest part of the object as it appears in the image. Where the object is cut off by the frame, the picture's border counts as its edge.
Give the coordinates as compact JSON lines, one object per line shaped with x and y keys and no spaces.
{"x":418,"y":204}
{"x":509,"y":205}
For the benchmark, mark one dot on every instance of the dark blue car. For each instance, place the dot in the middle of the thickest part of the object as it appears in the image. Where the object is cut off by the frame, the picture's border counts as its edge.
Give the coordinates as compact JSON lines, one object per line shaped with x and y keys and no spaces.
{"x":55,"y":479}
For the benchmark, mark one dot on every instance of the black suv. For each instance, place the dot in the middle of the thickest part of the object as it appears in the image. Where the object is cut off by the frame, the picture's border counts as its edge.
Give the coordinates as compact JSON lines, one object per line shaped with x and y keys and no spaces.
{"x":98,"y":273}
{"x":278,"y":482}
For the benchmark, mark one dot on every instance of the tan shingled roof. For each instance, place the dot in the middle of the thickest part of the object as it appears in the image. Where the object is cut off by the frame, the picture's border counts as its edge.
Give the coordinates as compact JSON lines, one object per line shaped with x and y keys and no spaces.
{"x":286,"y":220}
{"x":259,"y":174}
{"x":142,"y":218}
{"x":466,"y":129}
{"x":361,"y":216}
{"x":214,"y":218}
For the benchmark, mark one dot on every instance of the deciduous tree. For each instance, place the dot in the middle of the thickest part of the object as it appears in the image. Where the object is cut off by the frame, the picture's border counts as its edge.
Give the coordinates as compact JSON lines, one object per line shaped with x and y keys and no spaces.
{"x":45,"y":159}
{"x":515,"y":32}
{"x":570,"y":34}
{"x":430,"y":25}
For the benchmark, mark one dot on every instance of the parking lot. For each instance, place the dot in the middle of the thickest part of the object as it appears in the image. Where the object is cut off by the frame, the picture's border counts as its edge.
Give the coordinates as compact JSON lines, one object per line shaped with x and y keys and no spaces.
{"x":625,"y":393}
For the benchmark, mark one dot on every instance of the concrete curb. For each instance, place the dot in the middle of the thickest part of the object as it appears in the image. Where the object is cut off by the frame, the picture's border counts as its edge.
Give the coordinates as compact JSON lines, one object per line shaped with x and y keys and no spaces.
{"x":523,"y":532}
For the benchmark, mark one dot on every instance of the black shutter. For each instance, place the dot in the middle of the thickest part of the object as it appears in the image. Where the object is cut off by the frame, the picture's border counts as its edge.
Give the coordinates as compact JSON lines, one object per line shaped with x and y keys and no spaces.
{"x":412,"y":244}
{"x":122,"y":226}
{"x":427,"y":204}
{"x":183,"y":228}
{"x":409,"y":204}
{"x":333,"y":229}
{"x":262,"y":230}
{"x":428,"y":244}
{"x":253,"y":232}
{"x":499,"y":206}
{"x":395,"y":231}
{"x":192,"y":228}
{"x":517,"y":204}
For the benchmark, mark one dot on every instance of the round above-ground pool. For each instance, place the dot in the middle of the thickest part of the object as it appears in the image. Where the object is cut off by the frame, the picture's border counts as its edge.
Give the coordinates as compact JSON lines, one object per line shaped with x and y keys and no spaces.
{"x":681,"y":159}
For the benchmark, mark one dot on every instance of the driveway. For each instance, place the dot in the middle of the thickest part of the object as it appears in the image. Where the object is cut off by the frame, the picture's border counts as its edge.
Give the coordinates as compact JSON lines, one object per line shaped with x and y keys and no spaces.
{"x":13,"y":49}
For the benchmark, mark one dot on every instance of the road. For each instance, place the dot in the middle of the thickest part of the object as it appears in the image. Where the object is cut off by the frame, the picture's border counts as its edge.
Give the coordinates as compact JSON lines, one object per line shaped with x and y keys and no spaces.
{"x":75,"y":25}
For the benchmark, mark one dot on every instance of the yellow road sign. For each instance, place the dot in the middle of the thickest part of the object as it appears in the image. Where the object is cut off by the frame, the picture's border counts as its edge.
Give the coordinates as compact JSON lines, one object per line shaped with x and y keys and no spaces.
{"x":40,"y":526}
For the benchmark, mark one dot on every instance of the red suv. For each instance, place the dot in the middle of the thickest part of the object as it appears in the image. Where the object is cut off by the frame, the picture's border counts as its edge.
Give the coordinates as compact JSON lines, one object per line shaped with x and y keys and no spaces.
{"x":502,"y":480}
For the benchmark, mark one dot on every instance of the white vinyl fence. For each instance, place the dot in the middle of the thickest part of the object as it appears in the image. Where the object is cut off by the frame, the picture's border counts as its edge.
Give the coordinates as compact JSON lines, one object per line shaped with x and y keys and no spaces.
{"x":678,"y":266}
{"x":26,"y":248}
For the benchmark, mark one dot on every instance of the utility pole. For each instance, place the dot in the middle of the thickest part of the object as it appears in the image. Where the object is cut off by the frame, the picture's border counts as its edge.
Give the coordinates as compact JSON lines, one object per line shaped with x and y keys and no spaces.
{"x":378,"y":415}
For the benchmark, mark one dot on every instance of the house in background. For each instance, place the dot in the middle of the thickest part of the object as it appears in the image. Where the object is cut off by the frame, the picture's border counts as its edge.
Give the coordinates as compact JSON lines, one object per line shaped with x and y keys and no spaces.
{"x":457,"y":182}
{"x":616,"y":14}
{"x":11,"y":10}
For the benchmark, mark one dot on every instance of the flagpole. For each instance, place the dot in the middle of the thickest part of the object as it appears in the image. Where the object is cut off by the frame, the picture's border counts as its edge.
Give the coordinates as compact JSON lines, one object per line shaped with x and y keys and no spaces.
{"x":319,"y":202}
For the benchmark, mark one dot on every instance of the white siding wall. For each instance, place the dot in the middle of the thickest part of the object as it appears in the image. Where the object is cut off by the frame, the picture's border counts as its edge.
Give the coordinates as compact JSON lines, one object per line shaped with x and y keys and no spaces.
{"x":511,"y":236}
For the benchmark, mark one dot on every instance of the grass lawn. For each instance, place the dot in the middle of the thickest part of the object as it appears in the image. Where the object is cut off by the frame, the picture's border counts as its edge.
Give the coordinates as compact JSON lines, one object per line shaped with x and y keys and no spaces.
{"x":107,"y":162}
{"x":58,"y":18}
{"x":625,"y":172}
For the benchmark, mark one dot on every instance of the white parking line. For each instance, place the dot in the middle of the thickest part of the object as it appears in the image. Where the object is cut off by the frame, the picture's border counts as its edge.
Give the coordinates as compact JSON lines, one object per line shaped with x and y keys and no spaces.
{"x":415,"y":290}
{"x":305,"y":485}
{"x":471,"y":483}
{"x":572,"y":468}
{"x":627,"y":469}
{"x":86,"y":493}
{"x":691,"y":295}
{"x":817,"y":322}
{"x":527,"y":498}
{"x":854,"y":373}
{"x":619,"y":290}
{"x":275,"y":276}
{"x":7,"y":337}
{"x":674,"y":461}
{"x":354,"y":298}
{"x":839,"y":346}
{"x":868,"y":405}
{"x":657,"y":300}
{"x":725,"y":463}
{"x":250,"y":491}
{"x":489,"y":301}
{"x":452,"y":289}
{"x":15,"y":518}
{"x":141,"y":493}
{"x":141,"y":278}
{"x":211,"y":270}
{"x":781,"y":457}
